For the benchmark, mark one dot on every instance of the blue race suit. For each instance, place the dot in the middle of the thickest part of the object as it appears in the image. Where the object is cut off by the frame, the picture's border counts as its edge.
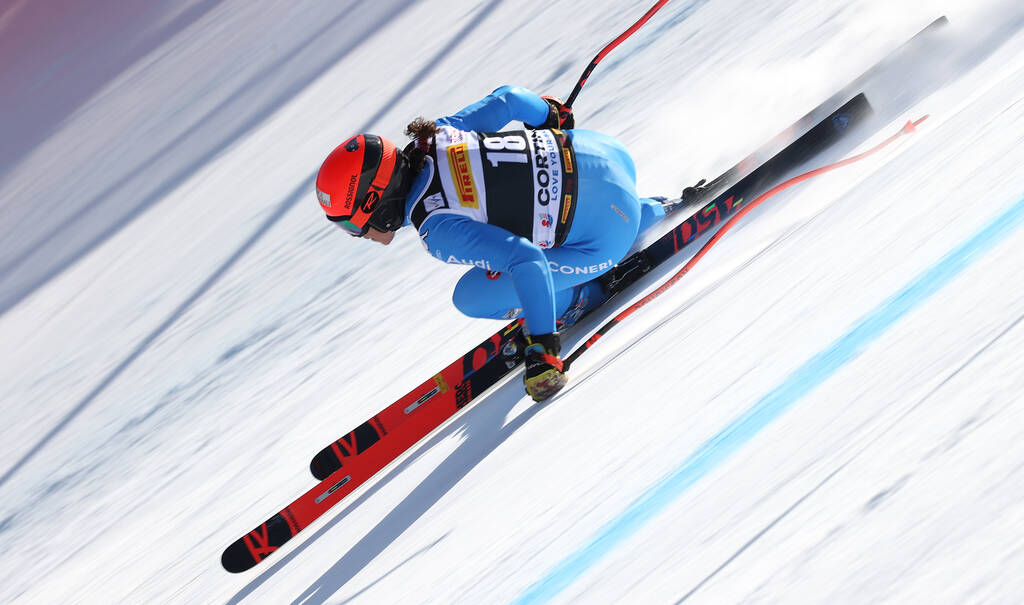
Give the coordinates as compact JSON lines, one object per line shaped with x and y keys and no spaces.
{"x":543,"y":278}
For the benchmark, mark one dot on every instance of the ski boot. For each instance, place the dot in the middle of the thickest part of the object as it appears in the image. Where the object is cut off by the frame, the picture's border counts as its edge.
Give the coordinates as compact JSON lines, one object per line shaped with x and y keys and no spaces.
{"x":586,"y":297}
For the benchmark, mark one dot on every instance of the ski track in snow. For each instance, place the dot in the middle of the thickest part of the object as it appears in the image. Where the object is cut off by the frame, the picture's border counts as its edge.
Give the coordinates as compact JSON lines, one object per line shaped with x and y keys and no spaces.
{"x":823,"y":365}
{"x":826,"y":409}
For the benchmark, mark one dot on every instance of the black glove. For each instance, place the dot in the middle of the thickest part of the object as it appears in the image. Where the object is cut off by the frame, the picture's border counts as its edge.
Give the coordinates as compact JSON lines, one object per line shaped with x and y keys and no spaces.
{"x":544,"y":376}
{"x":559,"y":116}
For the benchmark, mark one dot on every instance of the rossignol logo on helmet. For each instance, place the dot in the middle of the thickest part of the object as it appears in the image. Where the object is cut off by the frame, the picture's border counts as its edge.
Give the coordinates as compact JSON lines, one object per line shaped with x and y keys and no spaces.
{"x":370,"y":202}
{"x":323,"y":198}
{"x":350,"y":193}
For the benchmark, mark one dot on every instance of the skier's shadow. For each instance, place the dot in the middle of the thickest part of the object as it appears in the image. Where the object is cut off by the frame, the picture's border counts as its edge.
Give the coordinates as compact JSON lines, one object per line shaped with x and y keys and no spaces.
{"x":484,"y":424}
{"x":485,"y":429}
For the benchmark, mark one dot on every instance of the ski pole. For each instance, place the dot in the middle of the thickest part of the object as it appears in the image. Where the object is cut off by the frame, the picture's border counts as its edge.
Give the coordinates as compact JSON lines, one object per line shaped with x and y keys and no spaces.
{"x":607,"y":49}
{"x":908,"y":128}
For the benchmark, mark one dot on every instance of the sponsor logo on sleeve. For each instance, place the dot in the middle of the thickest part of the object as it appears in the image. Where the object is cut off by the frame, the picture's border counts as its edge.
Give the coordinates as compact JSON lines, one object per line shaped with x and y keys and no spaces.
{"x":462,"y":174}
{"x":454,"y":134}
{"x":433,"y":202}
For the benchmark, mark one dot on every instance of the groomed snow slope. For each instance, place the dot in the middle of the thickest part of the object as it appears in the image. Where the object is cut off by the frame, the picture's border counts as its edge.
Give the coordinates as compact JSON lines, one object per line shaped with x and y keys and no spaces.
{"x":827,"y":409}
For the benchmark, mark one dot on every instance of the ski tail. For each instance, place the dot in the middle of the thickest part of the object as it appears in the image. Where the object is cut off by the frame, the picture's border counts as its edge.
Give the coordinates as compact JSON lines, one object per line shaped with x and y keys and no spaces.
{"x":822,"y":136}
{"x":703,"y":216}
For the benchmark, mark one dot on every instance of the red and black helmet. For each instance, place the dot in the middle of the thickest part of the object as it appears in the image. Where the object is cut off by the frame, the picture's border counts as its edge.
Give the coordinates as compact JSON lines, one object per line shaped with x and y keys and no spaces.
{"x":354,"y":180}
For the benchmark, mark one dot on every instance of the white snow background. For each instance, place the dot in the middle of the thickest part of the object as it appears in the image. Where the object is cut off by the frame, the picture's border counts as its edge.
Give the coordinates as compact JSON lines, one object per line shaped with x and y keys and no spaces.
{"x":180,"y":328}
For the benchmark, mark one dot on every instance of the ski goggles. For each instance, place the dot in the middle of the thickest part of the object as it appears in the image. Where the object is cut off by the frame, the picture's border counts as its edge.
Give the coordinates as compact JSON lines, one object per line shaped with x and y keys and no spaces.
{"x":359,"y":223}
{"x":379,"y":217}
{"x":351,"y":228}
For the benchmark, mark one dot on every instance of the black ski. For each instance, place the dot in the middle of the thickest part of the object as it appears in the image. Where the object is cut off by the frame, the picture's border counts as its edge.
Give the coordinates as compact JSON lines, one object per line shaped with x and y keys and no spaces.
{"x":488,"y":363}
{"x":352,"y":460}
{"x":358,"y":456}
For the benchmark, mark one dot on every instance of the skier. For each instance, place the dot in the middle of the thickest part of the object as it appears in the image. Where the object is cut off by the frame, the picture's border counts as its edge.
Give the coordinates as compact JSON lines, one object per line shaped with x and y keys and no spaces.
{"x":538,"y":213}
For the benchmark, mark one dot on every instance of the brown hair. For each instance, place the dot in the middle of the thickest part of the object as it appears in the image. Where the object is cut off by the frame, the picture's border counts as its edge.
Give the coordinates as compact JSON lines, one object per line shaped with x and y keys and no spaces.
{"x":420,"y":130}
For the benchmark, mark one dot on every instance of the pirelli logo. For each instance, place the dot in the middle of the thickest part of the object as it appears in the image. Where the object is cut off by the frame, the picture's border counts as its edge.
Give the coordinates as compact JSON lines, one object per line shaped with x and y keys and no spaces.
{"x":566,"y":207}
{"x":567,"y":159}
{"x":462,"y":175}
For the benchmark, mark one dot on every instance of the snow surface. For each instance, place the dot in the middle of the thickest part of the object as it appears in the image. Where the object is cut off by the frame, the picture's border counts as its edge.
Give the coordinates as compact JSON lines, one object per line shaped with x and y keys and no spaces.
{"x":827,"y":409}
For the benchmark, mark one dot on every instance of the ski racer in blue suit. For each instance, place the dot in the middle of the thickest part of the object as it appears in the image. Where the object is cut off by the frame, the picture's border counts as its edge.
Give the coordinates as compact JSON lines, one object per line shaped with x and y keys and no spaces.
{"x":537,"y":213}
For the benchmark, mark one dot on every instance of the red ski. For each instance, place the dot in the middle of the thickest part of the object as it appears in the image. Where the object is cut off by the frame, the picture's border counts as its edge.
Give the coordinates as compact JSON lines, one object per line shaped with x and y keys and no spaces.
{"x":350,"y":461}
{"x":390,"y":433}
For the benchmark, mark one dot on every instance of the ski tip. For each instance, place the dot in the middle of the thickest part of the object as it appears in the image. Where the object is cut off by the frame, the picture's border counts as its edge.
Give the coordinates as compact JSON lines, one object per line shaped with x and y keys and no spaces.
{"x":324,"y":464}
{"x":237,"y":558}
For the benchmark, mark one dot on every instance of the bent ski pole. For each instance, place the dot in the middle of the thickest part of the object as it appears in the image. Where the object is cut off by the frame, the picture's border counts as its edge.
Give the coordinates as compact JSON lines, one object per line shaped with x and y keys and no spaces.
{"x":909,"y":128}
{"x":607,"y":49}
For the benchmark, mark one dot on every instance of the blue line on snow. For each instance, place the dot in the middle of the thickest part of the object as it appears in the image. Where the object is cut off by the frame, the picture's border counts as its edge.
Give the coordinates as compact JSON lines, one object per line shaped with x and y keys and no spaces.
{"x":739,"y":432}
